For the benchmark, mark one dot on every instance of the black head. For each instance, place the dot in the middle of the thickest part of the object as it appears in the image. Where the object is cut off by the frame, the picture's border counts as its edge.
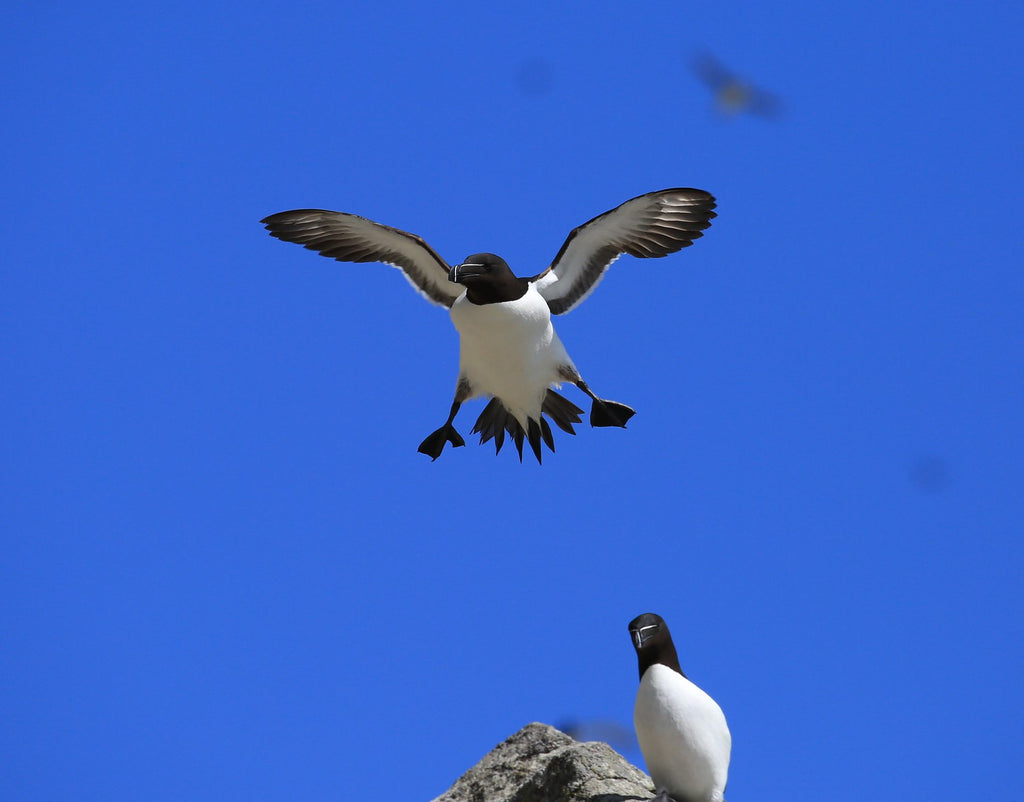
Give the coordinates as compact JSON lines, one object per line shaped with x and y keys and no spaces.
{"x":653,"y":643}
{"x":488,"y":279}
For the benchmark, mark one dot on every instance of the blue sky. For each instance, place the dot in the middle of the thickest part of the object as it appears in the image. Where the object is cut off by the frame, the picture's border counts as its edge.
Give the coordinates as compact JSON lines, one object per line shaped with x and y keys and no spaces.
{"x":228,"y":574}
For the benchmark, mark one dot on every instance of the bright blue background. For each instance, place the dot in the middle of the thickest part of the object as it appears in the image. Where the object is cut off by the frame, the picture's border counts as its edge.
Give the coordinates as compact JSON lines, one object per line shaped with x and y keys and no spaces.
{"x":227,"y":574}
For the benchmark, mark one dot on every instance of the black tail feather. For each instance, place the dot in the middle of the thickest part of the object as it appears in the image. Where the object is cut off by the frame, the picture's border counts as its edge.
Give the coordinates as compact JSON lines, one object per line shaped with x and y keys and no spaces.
{"x":563,"y":412}
{"x":492,"y":423}
{"x":545,"y":432}
{"x":495,"y":422}
{"x":533,"y":435}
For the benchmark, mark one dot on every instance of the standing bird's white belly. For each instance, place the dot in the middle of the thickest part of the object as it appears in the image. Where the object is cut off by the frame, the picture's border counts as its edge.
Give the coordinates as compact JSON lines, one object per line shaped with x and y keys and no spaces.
{"x":683,"y":736}
{"x":510,"y":350}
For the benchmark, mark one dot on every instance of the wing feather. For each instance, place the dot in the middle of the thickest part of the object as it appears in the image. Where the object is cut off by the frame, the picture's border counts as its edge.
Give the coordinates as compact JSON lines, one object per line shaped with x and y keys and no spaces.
{"x":350,"y":238}
{"x":649,"y":226}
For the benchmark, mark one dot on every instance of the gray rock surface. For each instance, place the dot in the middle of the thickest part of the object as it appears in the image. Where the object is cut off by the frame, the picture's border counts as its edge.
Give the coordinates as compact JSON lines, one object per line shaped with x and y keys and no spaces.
{"x":541,"y":764}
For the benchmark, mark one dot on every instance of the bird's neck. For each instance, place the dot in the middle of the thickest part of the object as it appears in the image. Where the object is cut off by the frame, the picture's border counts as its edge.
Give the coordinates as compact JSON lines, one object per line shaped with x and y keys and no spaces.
{"x":510,"y":289}
{"x":665,"y":655}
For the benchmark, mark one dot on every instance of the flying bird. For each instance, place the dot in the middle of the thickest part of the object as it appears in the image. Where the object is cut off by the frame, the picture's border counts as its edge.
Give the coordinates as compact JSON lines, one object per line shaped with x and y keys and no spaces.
{"x":733,"y":94}
{"x":682,"y":731}
{"x":508,"y":348}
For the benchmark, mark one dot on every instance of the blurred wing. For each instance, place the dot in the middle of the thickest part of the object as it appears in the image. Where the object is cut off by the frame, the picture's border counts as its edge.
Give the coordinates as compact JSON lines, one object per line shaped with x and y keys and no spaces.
{"x":350,"y":238}
{"x":711,"y":71}
{"x":652,"y":225}
{"x":765,"y":103}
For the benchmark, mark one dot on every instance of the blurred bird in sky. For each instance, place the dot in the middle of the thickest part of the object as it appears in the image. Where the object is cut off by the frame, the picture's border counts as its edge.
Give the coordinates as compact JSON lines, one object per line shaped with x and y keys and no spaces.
{"x":733,"y":94}
{"x":618,"y":736}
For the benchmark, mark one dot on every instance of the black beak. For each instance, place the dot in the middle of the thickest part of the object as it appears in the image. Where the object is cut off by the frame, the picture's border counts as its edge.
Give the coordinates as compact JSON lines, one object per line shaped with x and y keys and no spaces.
{"x":466,"y":269}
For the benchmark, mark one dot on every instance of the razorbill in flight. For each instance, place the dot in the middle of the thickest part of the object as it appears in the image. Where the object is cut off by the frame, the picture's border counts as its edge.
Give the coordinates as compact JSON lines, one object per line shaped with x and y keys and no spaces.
{"x":682,"y":731}
{"x":508,"y":348}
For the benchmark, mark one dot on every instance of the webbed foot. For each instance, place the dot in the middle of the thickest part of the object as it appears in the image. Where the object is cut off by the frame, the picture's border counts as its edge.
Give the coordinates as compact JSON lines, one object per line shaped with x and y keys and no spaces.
{"x":610,"y":413}
{"x":604,"y":412}
{"x":434,"y":444}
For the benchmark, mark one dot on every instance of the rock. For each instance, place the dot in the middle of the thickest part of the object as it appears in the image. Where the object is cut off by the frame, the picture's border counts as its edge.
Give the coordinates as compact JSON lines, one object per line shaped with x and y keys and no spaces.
{"x":541,"y":764}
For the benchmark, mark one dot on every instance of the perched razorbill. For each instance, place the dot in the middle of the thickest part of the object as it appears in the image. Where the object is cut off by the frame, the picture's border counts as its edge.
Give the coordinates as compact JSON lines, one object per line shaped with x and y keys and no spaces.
{"x":682,"y":731}
{"x":508,"y":348}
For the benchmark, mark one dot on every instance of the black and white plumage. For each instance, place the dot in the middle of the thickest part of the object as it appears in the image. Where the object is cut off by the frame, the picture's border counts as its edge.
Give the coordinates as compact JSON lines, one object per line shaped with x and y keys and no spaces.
{"x":682,"y":731}
{"x":508,"y":347}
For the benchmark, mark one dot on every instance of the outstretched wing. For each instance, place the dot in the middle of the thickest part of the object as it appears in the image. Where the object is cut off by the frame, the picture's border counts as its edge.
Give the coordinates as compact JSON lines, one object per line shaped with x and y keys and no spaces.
{"x":651,"y":225}
{"x":350,"y":238}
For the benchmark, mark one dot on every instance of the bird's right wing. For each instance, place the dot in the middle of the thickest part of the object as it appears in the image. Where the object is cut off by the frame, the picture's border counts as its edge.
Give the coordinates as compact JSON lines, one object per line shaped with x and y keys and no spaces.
{"x":350,"y":238}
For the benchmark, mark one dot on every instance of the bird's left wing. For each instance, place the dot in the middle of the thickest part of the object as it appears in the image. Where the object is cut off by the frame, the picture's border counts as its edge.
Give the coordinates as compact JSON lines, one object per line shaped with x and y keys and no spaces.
{"x":350,"y":238}
{"x":651,"y":225}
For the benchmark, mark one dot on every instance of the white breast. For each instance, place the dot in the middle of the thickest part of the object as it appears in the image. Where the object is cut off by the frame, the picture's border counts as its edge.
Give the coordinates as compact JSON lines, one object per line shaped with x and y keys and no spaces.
{"x":510,"y":350}
{"x":683,"y":736}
